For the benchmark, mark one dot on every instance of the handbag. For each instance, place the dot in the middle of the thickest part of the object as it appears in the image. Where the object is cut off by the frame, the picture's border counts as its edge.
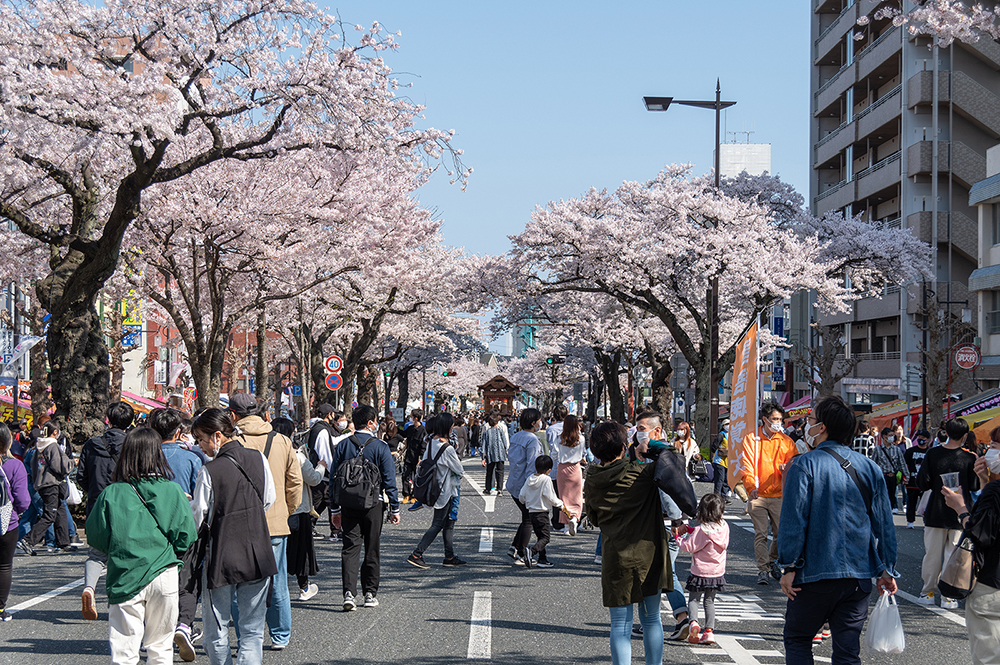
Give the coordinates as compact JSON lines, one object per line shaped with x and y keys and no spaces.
{"x":697,"y":467}
{"x":6,"y":500}
{"x":74,"y":496}
{"x":958,"y":578}
{"x":925,"y":498}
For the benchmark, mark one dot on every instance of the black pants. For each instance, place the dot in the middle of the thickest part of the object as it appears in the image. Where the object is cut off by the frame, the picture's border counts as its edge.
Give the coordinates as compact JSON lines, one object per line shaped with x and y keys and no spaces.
{"x":843,"y":603}
{"x":556,"y":524}
{"x":912,"y":499}
{"x":361,"y":527}
{"x":189,"y":582}
{"x":523,"y":534}
{"x":52,"y":511}
{"x":320,"y":500}
{"x":719,"y":480}
{"x":7,"y":544}
{"x":890,"y":486}
{"x":494,"y":469}
{"x":540,"y":523}
{"x":409,"y":469}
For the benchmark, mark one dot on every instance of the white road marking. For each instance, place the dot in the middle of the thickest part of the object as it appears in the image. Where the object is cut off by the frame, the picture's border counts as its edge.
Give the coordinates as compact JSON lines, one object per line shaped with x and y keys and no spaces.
{"x":480,"y":628}
{"x":730,"y":608}
{"x":490,"y":500}
{"x":486,"y":540}
{"x":45,"y":596}
{"x":823,"y":659}
{"x":950,"y":616}
{"x":741,"y":656}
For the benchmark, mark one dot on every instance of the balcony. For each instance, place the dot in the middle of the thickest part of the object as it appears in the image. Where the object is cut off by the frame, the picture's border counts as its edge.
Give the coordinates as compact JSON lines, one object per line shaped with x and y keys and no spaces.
{"x":836,"y":197}
{"x":879,"y":176}
{"x":969,"y":166}
{"x":834,"y":143}
{"x":883,"y":111}
{"x":959,"y":293}
{"x":878,"y":52}
{"x":881,"y":307}
{"x":831,"y":37}
{"x":985,"y":49}
{"x":837,"y":85}
{"x":964,"y":231}
{"x":972,"y":100}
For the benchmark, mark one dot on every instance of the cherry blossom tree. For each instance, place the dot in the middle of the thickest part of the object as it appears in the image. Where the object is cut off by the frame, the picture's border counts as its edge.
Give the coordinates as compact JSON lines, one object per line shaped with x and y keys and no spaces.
{"x":101,"y":102}
{"x":655,"y":246}
{"x":944,"y":20}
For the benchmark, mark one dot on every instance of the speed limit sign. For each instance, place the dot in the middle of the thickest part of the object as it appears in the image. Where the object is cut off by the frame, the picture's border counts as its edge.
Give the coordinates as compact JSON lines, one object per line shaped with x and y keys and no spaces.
{"x":333,"y":364}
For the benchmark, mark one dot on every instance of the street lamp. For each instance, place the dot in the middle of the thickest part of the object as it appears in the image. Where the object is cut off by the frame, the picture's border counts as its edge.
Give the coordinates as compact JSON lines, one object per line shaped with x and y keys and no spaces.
{"x":662,"y":104}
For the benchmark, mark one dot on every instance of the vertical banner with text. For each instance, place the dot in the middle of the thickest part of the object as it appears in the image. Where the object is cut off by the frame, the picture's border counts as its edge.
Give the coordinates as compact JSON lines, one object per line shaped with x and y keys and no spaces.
{"x":743,"y":403}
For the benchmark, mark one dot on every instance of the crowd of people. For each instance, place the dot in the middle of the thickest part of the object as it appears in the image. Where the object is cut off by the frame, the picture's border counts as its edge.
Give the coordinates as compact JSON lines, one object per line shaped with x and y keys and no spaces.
{"x":164,"y":499}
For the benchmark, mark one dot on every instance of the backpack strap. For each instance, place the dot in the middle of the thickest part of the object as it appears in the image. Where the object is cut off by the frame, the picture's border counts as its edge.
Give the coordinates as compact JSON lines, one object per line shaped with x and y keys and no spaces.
{"x":440,"y":452}
{"x":259,"y":493}
{"x":846,"y":465}
{"x":267,"y":446}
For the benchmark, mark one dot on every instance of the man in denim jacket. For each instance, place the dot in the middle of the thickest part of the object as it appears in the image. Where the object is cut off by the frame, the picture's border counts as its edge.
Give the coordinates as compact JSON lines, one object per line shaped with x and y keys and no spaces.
{"x":831,"y":565}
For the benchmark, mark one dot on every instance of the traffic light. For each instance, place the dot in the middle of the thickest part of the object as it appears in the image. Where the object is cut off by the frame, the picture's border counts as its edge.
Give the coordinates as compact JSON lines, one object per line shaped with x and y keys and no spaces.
{"x":448,"y":372}
{"x":555,"y":360}
{"x":387,"y":374}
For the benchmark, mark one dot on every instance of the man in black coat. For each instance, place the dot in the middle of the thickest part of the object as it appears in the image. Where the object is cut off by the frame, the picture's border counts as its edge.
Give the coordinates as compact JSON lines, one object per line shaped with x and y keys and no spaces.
{"x":93,"y":474}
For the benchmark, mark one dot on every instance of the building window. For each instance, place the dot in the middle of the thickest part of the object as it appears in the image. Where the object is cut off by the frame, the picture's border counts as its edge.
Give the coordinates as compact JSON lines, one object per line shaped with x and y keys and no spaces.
{"x":993,"y":316}
{"x":994,"y":212}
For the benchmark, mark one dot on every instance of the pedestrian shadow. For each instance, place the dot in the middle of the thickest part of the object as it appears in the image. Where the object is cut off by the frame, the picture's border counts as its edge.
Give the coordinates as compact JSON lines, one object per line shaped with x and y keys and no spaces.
{"x":514,"y":657}
{"x":56,"y":646}
{"x":601,"y":632}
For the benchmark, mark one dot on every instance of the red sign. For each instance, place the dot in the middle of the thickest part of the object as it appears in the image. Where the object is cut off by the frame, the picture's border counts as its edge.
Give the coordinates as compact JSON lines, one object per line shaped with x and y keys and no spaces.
{"x":333,"y":364}
{"x":968,"y":356}
{"x":334,"y":382}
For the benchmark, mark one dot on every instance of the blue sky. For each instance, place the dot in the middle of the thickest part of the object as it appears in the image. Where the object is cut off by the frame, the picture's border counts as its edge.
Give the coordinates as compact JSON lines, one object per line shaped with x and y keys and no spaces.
{"x":546,"y":97}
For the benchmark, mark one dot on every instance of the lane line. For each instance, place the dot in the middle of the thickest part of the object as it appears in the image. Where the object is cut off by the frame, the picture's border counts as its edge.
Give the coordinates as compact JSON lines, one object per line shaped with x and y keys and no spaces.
{"x":46,"y":596}
{"x":486,"y":540}
{"x":950,"y":616}
{"x":480,"y":628}
{"x":736,"y":651}
{"x":490,"y":500}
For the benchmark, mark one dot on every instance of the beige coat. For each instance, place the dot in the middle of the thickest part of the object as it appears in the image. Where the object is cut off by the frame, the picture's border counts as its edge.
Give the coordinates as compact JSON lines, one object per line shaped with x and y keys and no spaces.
{"x":284,"y":468}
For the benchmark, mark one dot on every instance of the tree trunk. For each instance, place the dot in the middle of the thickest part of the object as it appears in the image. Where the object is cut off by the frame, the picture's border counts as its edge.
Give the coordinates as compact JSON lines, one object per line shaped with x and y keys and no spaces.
{"x":116,"y":355}
{"x":703,"y":409}
{"x":610,"y":367}
{"x":260,"y":368}
{"x":404,"y":390}
{"x":366,"y":386}
{"x":80,"y":372}
{"x":39,"y":388}
{"x":594,"y":397}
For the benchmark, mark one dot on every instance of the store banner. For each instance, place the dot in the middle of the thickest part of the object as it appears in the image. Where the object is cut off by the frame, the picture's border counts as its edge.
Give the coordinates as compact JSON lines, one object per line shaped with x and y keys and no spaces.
{"x":743,"y":404}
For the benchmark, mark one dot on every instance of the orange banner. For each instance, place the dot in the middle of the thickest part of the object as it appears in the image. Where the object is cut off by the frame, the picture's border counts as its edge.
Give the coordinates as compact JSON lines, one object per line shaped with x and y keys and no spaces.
{"x":743,"y":403}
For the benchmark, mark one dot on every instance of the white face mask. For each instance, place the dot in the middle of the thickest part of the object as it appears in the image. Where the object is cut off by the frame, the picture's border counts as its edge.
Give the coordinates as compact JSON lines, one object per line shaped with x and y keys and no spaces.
{"x":776,"y":426}
{"x":679,"y":434}
{"x":993,"y":460}
{"x":810,"y":438}
{"x":890,"y":439}
{"x":642,"y":437}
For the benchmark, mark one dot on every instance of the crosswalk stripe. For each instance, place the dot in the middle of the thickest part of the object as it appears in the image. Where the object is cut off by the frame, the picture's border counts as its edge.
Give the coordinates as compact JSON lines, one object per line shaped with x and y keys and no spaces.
{"x":480,"y":627}
{"x":486,"y":540}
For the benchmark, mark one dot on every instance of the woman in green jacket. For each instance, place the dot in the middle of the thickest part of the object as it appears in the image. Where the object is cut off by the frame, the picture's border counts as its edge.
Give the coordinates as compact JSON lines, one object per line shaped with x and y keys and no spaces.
{"x":143,"y":522}
{"x":621,"y":498}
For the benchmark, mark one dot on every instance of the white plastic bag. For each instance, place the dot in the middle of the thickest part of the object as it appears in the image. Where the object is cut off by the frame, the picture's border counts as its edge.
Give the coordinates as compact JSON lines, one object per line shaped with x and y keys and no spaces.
{"x":885,"y":629}
{"x":75,"y":495}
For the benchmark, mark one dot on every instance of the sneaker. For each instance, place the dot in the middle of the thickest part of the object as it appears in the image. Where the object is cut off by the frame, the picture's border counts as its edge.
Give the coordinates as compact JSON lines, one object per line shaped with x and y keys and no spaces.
{"x":681,"y":631}
{"x":418,"y":561}
{"x":825,"y":633}
{"x":89,"y":610}
{"x":637,"y":630}
{"x":309,"y":592}
{"x":196,"y":635}
{"x":416,"y":506}
{"x":762,"y":577}
{"x":487,"y":492}
{"x":775,"y":572}
{"x":453,"y":561}
{"x":518,"y":561}
{"x":543,"y":564}
{"x":818,"y":638}
{"x":910,"y":525}
{"x":926,"y":599}
{"x":948,"y":603}
{"x":371,"y":600}
{"x":5,"y":616}
{"x":598,"y":559}
{"x":512,"y":552}
{"x":895,"y":511}
{"x":693,"y":634}
{"x":707,"y":637}
{"x":526,"y":557}
{"x":349,"y":604}
{"x":334,"y":538}
{"x":278,"y":647}
{"x":572,"y":526}
{"x":26,"y":548}
{"x":185,"y":645}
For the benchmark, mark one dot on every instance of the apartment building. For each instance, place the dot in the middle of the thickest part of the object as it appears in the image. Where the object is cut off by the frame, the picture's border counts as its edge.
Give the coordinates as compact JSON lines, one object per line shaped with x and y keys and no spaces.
{"x":985,"y":280}
{"x":898,"y":134}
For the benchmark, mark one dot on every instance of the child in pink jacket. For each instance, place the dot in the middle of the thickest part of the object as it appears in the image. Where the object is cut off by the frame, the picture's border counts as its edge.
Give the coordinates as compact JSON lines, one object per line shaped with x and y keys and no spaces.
{"x":707,"y":544}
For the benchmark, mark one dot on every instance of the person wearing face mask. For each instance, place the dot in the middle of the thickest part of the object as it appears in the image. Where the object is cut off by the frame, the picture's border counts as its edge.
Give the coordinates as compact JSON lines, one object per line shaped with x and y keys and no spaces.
{"x":321,"y":435}
{"x":886,"y":454}
{"x":836,"y":535}
{"x":765,"y":454}
{"x":914,"y":457}
{"x":982,"y":526}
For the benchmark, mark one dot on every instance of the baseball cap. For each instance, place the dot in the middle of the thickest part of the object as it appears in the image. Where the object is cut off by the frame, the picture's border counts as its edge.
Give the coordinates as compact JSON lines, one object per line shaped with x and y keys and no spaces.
{"x":243,"y":404}
{"x":325,"y":409}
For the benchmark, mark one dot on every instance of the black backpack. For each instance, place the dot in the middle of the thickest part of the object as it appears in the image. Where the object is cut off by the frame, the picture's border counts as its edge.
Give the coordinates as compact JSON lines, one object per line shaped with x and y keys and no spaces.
{"x":357,"y":484}
{"x":313,"y":434}
{"x":426,"y":488}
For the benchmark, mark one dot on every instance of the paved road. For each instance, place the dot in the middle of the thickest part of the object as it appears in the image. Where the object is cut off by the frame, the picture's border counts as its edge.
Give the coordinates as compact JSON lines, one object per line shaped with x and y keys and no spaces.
{"x":488,"y":609}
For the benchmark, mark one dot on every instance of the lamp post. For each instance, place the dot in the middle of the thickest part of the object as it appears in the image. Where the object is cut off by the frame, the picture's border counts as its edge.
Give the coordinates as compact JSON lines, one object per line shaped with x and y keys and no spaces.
{"x":662,"y":104}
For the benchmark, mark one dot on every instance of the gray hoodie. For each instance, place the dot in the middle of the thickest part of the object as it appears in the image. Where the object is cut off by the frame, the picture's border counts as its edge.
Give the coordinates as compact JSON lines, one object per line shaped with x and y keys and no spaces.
{"x":50,"y":465}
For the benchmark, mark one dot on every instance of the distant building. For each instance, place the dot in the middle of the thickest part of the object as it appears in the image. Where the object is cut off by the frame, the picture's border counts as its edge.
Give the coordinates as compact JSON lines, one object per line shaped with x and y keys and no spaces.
{"x":735,"y":158}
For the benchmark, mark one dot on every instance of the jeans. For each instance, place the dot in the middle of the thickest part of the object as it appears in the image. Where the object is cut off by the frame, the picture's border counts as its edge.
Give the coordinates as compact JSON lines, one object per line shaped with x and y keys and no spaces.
{"x":652,"y":632}
{"x":440,"y":524}
{"x":719,"y":480}
{"x":51,"y":513}
{"x":251,"y":598}
{"x":676,"y":597}
{"x":912,"y":499}
{"x":841,"y":602}
{"x":494,"y":470}
{"x":600,"y":542}
{"x":279,"y":614}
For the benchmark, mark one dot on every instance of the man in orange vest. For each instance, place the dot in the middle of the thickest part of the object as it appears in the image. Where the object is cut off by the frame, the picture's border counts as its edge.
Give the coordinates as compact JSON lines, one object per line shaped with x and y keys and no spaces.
{"x":764,"y":456}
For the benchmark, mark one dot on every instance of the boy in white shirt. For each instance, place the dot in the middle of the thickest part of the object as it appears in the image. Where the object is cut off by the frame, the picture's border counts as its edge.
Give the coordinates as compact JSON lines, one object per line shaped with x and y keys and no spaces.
{"x":538,"y":495}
